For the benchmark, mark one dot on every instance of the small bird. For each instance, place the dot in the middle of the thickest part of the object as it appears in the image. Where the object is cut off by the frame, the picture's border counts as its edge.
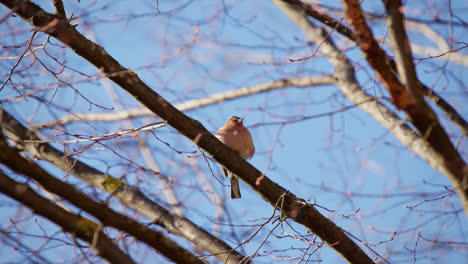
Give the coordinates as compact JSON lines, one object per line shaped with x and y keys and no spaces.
{"x":234,"y":135}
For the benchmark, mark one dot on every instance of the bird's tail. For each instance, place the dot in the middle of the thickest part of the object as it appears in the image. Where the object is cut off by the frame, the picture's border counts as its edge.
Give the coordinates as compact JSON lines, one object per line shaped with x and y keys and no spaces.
{"x":235,"y":191}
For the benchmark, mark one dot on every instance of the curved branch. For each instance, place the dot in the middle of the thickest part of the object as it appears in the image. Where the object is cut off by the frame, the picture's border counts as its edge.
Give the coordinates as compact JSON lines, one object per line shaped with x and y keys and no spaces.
{"x":81,"y":227}
{"x":107,"y":216}
{"x":430,"y":94}
{"x":195,"y":103}
{"x":27,"y":140}
{"x":444,"y":157}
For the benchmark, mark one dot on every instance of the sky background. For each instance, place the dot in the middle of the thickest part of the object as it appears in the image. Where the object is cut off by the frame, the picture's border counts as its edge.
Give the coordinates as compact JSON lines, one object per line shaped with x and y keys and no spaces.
{"x":345,"y":162}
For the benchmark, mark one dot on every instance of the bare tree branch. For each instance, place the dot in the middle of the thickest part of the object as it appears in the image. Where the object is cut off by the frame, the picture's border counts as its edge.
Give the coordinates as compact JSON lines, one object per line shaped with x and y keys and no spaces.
{"x":402,"y":49}
{"x":313,"y":141}
{"x":107,"y":216}
{"x":326,"y":19}
{"x":81,"y":227}
{"x":435,"y":98}
{"x":195,"y":103}
{"x":451,"y":112}
{"x":125,"y":193}
{"x":446,"y":158}
{"x":59,"y":10}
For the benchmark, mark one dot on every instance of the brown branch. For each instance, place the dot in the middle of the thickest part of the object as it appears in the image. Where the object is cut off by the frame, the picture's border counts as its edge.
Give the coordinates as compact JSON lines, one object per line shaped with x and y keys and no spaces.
{"x":290,"y":205}
{"x":435,"y":98}
{"x":326,"y":19}
{"x":405,"y":66}
{"x":59,"y":10}
{"x":374,"y":15}
{"x":447,"y":108}
{"x":83,"y":228}
{"x":107,"y":216}
{"x":446,"y":159}
{"x":402,"y":49}
{"x":13,"y":10}
{"x":28,"y":140}
{"x":376,"y":56}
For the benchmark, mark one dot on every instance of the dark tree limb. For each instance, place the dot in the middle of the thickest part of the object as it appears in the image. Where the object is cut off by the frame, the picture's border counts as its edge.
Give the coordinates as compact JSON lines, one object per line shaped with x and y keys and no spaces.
{"x":157,"y":240}
{"x":78,"y":226}
{"x":344,"y":30}
{"x":59,"y":9}
{"x":407,"y":97}
{"x":27,"y":140}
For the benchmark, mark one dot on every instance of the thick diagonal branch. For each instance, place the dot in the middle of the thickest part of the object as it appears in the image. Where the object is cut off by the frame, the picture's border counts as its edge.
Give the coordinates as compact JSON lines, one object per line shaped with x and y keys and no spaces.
{"x":27,"y":140}
{"x":81,"y":227}
{"x":107,"y":216}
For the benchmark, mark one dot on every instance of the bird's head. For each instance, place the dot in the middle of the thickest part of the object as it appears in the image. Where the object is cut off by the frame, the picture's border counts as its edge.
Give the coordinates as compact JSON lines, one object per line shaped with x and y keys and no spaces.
{"x":235,"y":121}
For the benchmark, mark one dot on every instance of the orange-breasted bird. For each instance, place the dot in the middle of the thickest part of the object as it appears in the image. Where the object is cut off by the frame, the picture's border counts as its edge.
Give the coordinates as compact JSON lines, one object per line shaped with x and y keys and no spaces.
{"x":234,"y":135}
